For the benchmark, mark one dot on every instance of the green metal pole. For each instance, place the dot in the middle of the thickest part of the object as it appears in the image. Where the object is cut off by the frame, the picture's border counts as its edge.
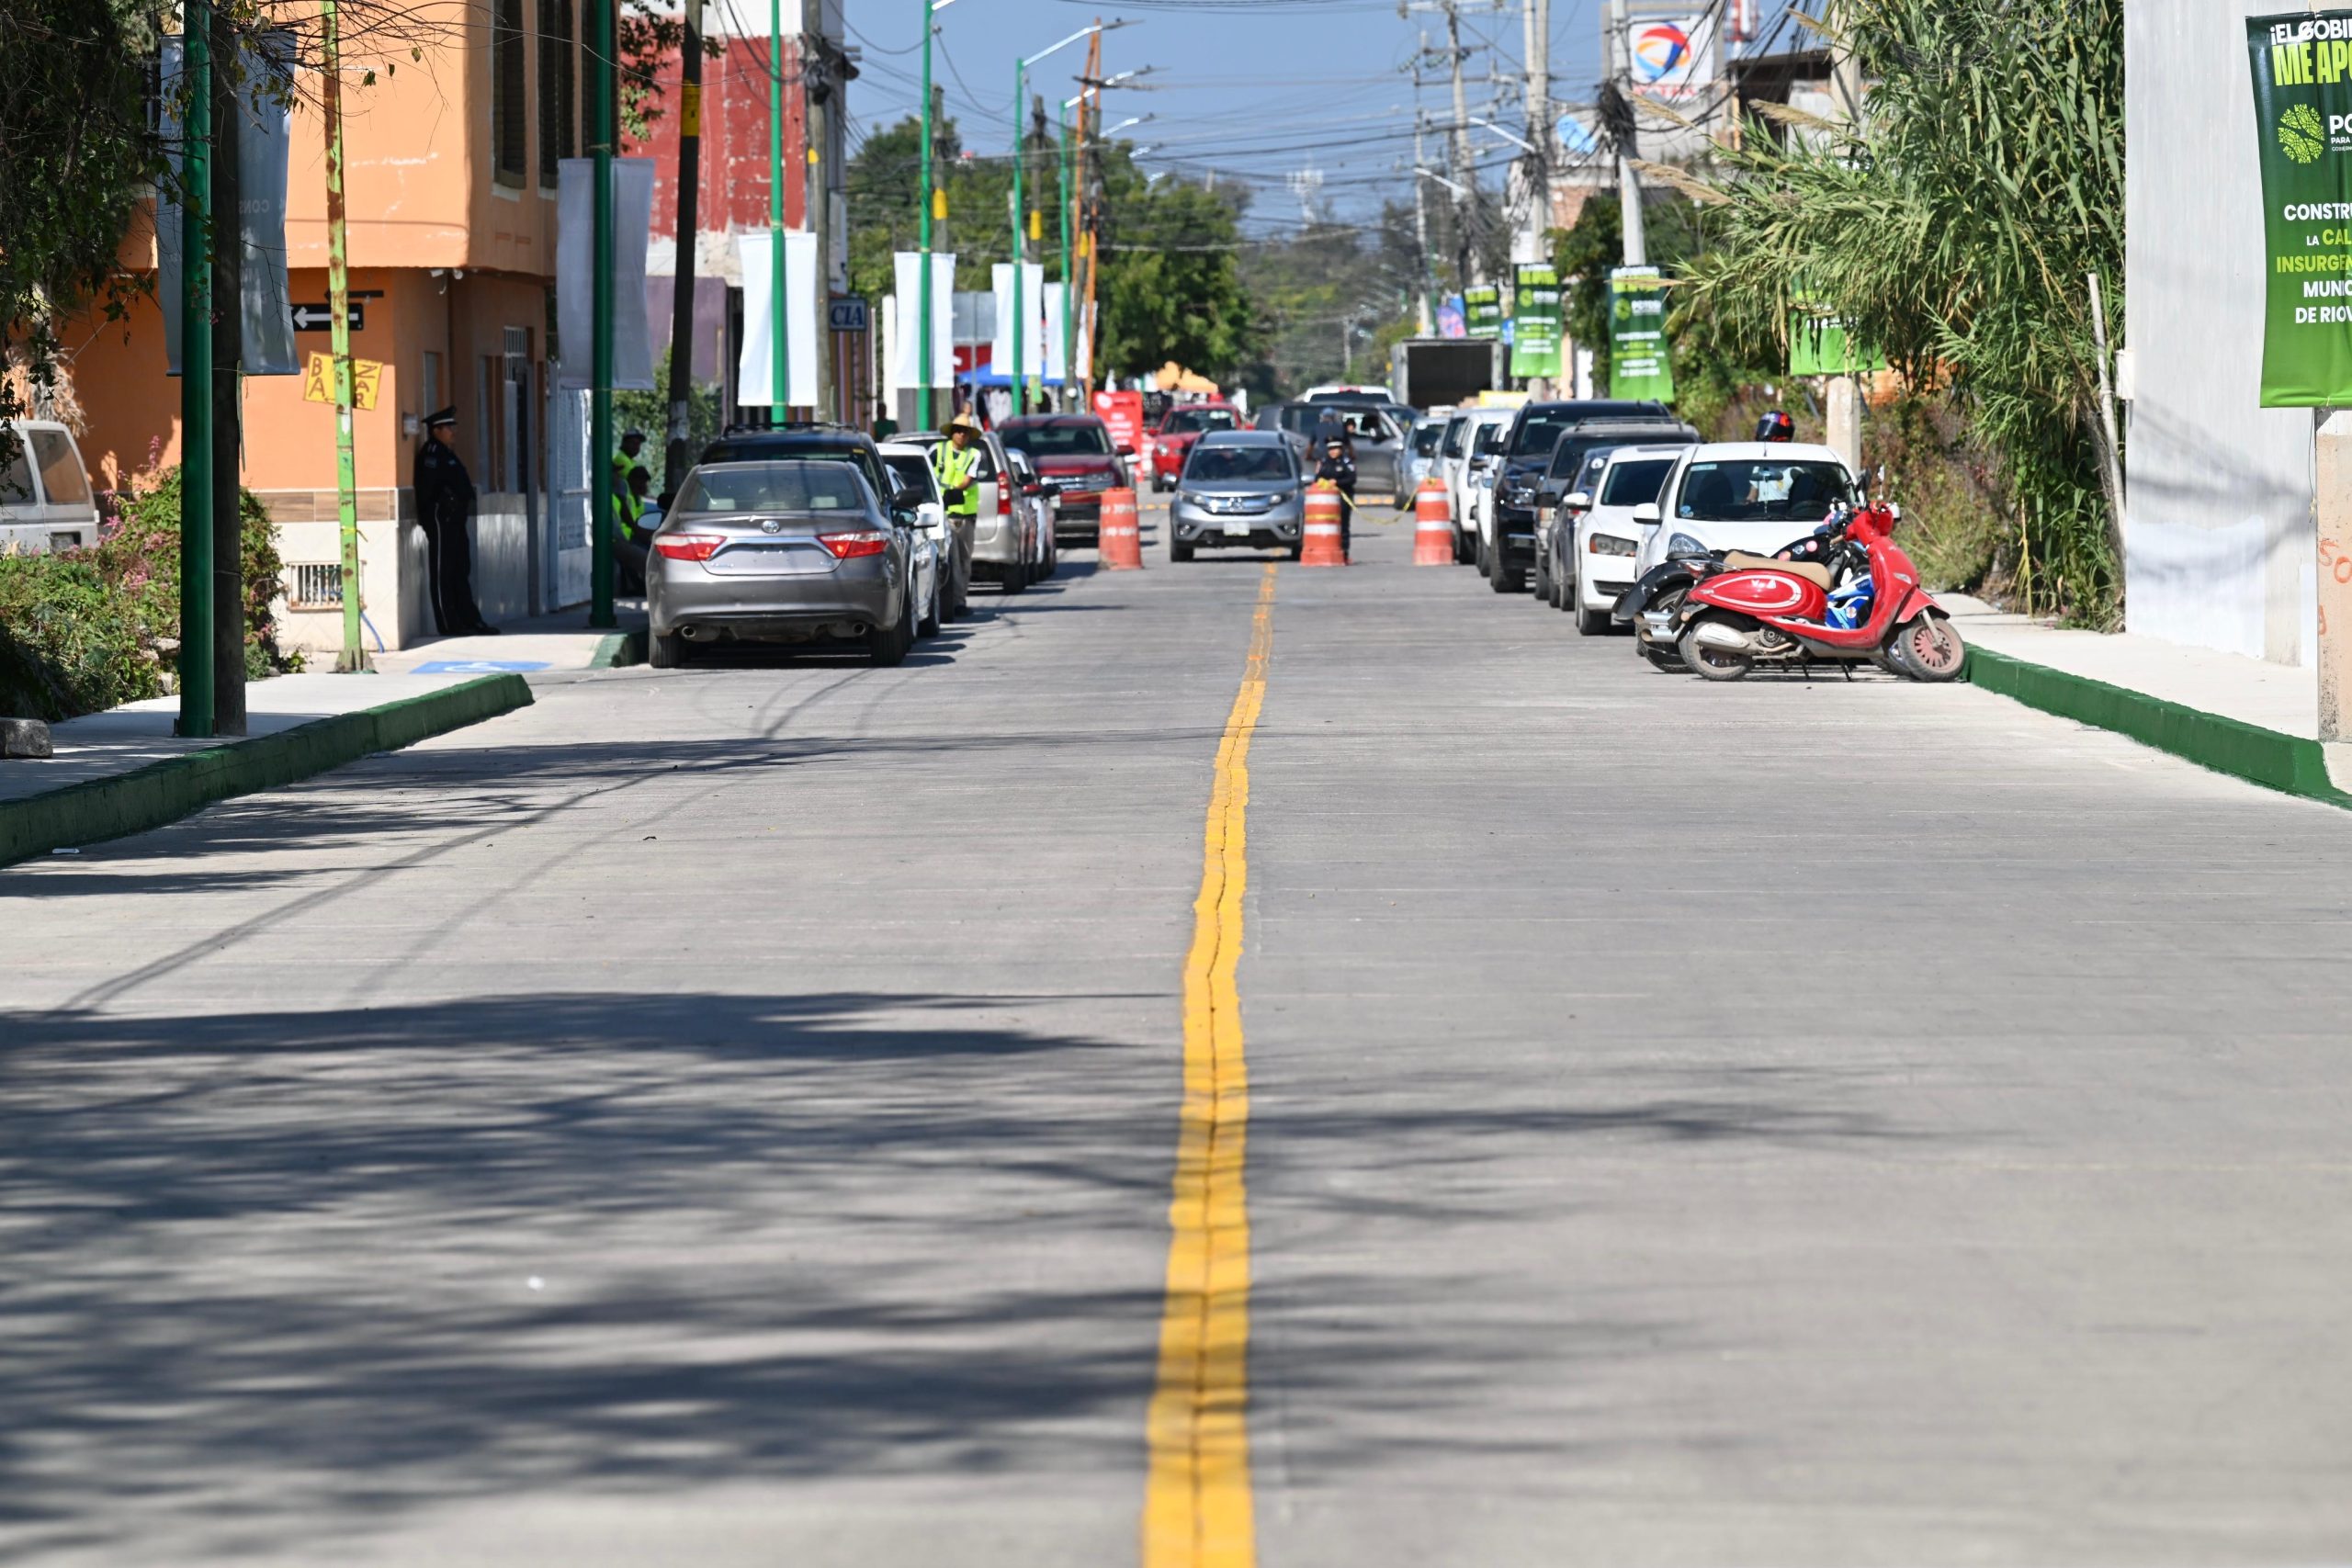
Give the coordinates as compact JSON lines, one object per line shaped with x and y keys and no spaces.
{"x":1068,"y":346}
{"x":195,"y":375}
{"x":600,"y":395}
{"x":922,"y":242}
{"x":779,"y":309}
{"x":354,"y":656}
{"x":1016,"y":373}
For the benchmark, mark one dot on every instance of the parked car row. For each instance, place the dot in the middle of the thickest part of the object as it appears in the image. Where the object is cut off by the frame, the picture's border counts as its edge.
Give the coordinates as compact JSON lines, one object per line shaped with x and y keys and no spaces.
{"x":816,"y":532}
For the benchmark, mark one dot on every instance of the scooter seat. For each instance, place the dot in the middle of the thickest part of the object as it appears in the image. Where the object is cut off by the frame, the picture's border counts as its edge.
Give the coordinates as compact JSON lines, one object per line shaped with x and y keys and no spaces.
{"x":1811,"y":571}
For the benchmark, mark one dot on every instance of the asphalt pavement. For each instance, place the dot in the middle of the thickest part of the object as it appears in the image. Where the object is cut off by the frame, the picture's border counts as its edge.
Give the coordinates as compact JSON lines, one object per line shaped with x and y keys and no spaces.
{"x":729,"y":1116}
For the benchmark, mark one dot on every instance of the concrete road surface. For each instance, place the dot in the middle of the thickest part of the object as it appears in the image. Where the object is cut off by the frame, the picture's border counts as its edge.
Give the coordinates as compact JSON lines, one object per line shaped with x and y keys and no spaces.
{"x":728,"y":1117}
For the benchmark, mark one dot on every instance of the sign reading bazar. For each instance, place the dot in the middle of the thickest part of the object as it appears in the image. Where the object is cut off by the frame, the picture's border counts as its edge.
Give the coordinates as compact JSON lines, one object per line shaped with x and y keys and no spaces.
{"x":2302,"y":111}
{"x":1638,"y":364}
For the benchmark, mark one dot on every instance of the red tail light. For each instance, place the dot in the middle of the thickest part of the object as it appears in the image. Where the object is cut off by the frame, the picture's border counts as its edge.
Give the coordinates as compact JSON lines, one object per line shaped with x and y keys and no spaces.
{"x":1004,"y":497}
{"x":849,"y":546}
{"x":687,"y":546}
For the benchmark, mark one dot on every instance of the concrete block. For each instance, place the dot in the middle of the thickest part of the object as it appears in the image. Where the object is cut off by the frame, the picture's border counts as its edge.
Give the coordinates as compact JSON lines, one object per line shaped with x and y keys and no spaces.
{"x":24,"y":738}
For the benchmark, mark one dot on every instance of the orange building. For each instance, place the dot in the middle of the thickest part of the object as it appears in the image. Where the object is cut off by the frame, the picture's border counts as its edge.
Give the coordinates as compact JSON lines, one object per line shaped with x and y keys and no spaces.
{"x":452,"y":161}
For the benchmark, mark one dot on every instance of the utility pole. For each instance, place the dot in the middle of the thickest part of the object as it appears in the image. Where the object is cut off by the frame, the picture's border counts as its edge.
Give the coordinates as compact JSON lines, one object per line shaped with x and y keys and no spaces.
{"x":1090,"y":189}
{"x":1466,"y":196}
{"x":779,"y":313}
{"x":196,"y":374}
{"x":1538,"y":22}
{"x":674,"y":457}
{"x":1069,"y":343}
{"x":600,"y":119}
{"x":227,"y":575}
{"x":353,"y":660}
{"x":1629,"y":185}
{"x":1421,"y":213}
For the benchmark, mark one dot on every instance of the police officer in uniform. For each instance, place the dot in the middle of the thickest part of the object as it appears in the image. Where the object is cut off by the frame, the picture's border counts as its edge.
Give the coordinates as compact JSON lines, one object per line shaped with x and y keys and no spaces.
{"x":444,"y":504}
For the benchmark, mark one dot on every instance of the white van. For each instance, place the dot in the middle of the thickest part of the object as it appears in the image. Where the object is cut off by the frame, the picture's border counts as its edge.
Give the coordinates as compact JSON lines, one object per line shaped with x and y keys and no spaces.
{"x":45,"y":501}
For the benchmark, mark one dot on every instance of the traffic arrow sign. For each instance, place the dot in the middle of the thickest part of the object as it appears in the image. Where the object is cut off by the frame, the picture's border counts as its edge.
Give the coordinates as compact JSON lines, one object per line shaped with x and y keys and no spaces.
{"x":320,"y":317}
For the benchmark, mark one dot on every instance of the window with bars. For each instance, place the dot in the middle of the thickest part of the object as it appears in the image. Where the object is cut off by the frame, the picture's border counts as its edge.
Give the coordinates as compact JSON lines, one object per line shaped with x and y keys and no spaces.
{"x":558,"y":88}
{"x":509,"y":94}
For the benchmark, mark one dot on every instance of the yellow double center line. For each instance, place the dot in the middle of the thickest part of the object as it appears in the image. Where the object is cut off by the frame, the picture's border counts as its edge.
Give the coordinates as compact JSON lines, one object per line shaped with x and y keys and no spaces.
{"x":1197,"y":1510}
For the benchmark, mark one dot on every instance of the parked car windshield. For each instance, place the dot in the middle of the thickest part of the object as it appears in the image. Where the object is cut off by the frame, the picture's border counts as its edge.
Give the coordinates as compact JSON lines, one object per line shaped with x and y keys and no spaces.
{"x":1180,"y":421}
{"x":1491,"y":437}
{"x":1425,"y":438}
{"x":1058,"y":440}
{"x":1630,"y":484}
{"x":1760,"y":490}
{"x":772,"y":487}
{"x":1454,"y":431}
{"x":916,"y":471}
{"x":1223,"y":465}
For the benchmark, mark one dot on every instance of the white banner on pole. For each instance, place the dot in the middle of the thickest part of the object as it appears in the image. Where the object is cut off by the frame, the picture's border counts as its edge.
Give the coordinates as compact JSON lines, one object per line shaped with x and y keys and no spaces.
{"x":575,"y":272}
{"x":1032,"y":344}
{"x":1056,"y":352}
{"x":909,"y":274}
{"x":263,"y":138}
{"x":755,"y":385}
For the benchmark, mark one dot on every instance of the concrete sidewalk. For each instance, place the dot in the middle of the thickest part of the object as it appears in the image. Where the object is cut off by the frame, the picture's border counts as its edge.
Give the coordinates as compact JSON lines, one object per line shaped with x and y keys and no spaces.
{"x":2257,"y":720}
{"x":563,"y":640}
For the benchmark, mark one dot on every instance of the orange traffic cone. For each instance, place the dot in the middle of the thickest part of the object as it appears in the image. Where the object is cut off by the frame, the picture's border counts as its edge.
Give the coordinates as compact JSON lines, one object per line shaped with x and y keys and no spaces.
{"x":1119,"y":540}
{"x":1321,"y":544}
{"x":1433,"y":524}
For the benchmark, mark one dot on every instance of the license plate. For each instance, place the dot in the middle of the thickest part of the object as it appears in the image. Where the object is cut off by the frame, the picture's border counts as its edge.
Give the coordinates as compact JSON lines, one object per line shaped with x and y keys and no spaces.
{"x":1241,"y":528}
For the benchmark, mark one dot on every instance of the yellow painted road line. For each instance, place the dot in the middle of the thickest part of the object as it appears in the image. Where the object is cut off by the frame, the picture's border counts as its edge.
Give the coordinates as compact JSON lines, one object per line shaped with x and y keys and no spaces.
{"x":1197,"y":1509}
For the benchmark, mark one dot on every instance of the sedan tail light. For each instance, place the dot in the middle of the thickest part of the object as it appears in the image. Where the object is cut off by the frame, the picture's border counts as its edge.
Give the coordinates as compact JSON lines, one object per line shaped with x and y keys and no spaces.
{"x":687,"y":546}
{"x":849,"y":546}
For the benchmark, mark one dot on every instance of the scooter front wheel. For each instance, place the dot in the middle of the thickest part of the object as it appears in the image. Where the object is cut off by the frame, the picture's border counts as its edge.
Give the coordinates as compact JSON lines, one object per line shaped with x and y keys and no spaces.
{"x":1929,"y":648}
{"x":1710,"y":662}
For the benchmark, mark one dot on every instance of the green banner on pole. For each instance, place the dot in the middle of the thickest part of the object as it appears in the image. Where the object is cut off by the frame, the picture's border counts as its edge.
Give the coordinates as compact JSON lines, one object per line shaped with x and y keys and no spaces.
{"x":2303,"y":115}
{"x":1820,"y":345}
{"x":1482,"y":308}
{"x":1535,"y":336}
{"x":1639,"y":366}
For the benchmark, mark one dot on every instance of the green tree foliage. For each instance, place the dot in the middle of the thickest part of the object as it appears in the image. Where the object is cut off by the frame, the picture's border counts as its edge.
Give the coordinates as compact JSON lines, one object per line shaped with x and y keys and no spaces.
{"x":1327,"y":280}
{"x":76,"y":157}
{"x":1956,"y":228}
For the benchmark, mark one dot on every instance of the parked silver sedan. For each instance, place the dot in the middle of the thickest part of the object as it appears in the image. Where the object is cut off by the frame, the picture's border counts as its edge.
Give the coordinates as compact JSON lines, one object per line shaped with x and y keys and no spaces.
{"x":1238,"y":487}
{"x":786,"y":550}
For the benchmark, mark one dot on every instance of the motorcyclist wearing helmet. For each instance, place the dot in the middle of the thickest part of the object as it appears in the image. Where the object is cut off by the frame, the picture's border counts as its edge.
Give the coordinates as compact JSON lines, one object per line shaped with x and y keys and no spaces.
{"x":1776,"y":425}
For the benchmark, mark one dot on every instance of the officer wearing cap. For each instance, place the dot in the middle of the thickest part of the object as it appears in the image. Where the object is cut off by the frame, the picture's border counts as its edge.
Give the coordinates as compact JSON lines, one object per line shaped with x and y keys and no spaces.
{"x":445,"y":506}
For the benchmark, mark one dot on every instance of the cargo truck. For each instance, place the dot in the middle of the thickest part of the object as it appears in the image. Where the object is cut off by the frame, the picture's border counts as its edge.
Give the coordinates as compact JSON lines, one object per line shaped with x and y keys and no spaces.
{"x":1430,"y":372}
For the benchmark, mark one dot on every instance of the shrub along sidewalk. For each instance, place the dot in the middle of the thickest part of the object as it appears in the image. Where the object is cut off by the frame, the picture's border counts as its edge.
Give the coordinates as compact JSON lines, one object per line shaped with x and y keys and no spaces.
{"x":92,"y":629}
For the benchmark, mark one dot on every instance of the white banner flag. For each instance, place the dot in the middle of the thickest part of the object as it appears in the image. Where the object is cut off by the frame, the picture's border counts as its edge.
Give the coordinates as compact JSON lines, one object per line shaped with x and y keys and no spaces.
{"x":1056,"y":352}
{"x":904,"y":369}
{"x":267,"y":346}
{"x":755,"y":385}
{"x":1033,"y":339}
{"x":575,"y":272}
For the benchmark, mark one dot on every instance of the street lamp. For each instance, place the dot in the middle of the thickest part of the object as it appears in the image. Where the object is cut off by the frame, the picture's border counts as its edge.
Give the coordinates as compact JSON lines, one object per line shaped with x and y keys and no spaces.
{"x":1507,"y":135}
{"x":923,"y":224}
{"x":1017,"y":375}
{"x":1433,"y":174}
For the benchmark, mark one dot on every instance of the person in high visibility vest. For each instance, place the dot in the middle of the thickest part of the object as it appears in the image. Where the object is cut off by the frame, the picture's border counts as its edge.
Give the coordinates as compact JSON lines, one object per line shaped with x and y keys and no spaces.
{"x":957,"y":462}
{"x":629,"y":512}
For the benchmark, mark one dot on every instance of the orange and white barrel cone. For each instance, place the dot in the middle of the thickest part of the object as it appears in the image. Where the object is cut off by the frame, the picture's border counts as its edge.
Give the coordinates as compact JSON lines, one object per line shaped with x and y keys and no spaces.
{"x":1320,"y":547}
{"x":1119,"y":539}
{"x":1433,"y":524}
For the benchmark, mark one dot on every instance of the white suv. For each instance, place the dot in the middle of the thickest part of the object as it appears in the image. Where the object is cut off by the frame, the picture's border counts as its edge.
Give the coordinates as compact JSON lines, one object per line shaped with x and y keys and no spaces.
{"x":45,"y":501}
{"x":1607,"y":540}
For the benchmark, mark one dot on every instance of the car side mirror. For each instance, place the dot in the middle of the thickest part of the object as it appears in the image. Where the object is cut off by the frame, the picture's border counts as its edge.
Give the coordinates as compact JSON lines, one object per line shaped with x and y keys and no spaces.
{"x":1126,"y":451}
{"x":1646,"y":513}
{"x":1579,"y":500}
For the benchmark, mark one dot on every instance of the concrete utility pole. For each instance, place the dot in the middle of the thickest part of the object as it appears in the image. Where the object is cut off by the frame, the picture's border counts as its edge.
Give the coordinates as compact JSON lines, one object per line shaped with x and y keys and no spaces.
{"x":2332,"y":509}
{"x":1629,"y":185}
{"x":1842,"y":398}
{"x":675,"y":459}
{"x":1421,"y":215}
{"x":1466,"y":196}
{"x":1537,"y":18}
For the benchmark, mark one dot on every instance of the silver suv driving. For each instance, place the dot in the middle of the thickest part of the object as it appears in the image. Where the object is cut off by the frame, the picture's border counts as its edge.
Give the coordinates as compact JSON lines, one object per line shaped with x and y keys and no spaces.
{"x":1241,"y":489}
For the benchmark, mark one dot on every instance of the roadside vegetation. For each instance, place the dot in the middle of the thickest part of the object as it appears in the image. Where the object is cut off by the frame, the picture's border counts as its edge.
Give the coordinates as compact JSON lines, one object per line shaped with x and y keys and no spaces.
{"x":85,"y":631}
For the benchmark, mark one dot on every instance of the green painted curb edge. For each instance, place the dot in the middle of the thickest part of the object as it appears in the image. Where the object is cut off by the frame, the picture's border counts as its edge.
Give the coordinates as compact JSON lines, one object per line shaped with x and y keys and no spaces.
{"x":97,"y":809}
{"x":2291,"y":763}
{"x":619,"y":649}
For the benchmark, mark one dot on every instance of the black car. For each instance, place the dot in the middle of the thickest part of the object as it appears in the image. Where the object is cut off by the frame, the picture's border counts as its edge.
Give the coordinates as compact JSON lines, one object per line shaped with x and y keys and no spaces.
{"x":1537,"y":432}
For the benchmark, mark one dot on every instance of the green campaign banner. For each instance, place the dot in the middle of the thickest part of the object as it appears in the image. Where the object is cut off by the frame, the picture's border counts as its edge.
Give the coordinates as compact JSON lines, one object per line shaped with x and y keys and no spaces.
{"x":1819,"y":345}
{"x":1483,"y":306}
{"x":1639,"y":366}
{"x":1536,"y":341}
{"x":2303,"y":115}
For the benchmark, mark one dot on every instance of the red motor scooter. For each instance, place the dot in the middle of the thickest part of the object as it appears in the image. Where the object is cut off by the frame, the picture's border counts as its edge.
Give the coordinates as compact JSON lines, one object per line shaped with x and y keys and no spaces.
{"x":1763,"y":610}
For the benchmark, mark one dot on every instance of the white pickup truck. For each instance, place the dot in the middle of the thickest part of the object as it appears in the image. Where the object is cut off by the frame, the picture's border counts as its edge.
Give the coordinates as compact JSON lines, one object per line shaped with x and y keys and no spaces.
{"x":45,"y":501}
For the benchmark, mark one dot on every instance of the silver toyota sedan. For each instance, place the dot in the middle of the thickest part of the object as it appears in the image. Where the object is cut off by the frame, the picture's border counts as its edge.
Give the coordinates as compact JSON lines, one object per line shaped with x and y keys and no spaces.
{"x":783,"y":550}
{"x":1238,"y":487}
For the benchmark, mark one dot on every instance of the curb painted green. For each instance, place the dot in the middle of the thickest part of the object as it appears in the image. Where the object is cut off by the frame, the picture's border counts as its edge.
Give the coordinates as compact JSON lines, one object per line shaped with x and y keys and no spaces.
{"x":97,"y":809}
{"x":618,"y":649}
{"x":2291,"y":763}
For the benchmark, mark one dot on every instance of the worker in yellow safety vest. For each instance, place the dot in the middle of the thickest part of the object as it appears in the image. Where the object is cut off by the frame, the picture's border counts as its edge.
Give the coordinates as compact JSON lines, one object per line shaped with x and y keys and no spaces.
{"x":956,"y":461}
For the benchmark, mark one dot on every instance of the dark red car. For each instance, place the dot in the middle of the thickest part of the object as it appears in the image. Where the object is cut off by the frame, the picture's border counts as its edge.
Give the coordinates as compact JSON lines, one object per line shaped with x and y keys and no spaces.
{"x":1183,"y":425}
{"x":1076,"y":451}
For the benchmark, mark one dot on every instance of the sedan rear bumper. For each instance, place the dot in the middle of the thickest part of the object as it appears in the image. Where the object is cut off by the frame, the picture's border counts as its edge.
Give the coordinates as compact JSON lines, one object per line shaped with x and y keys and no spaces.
{"x":682,"y":599}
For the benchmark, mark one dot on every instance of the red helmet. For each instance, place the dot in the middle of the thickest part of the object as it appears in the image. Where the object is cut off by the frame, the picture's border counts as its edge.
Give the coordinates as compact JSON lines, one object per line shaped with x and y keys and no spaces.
{"x":1776,"y":426}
